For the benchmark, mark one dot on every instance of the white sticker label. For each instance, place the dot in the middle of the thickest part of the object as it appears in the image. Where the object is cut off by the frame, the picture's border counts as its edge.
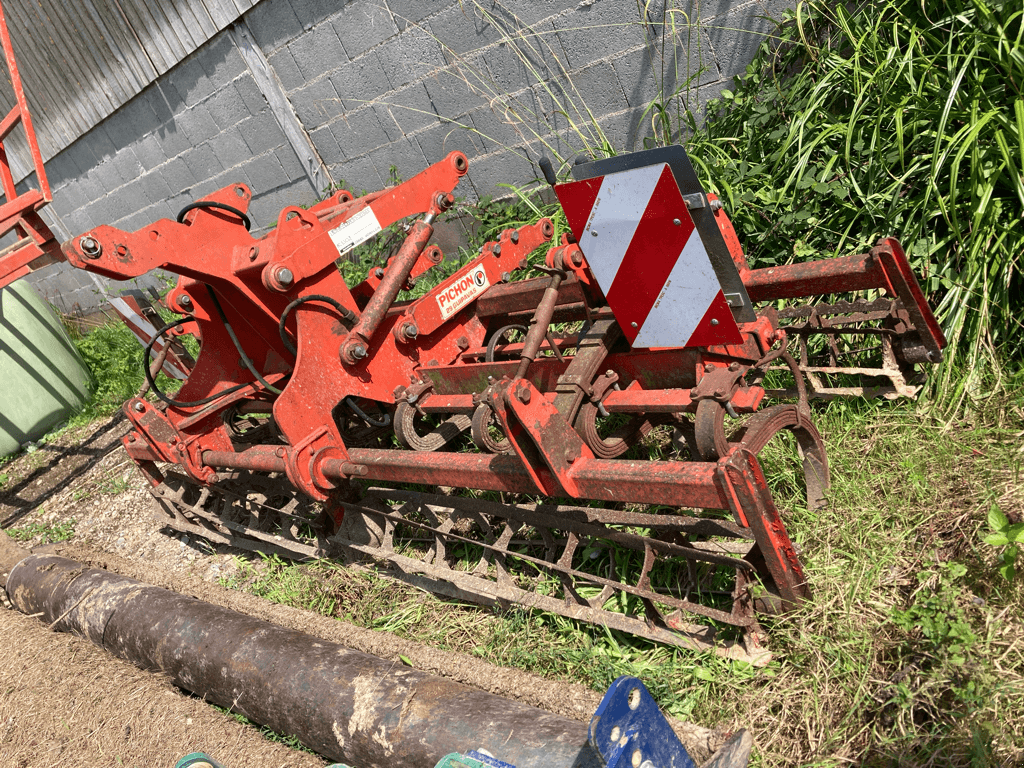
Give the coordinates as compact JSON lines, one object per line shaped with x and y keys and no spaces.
{"x":355,"y":231}
{"x":460,"y":293}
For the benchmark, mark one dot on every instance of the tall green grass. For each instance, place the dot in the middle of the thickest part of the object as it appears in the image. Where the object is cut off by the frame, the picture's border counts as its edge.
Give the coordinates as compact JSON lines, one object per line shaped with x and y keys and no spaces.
{"x":896,"y":117}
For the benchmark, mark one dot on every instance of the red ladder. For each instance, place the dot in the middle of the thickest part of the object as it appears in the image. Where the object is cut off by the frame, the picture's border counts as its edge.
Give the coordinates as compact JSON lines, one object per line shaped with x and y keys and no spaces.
{"x":35,"y":246}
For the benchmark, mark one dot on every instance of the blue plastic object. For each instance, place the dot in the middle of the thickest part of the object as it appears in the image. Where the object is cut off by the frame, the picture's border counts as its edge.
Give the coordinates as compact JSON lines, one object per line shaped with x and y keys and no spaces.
{"x":629,"y":731}
{"x":197,"y":760}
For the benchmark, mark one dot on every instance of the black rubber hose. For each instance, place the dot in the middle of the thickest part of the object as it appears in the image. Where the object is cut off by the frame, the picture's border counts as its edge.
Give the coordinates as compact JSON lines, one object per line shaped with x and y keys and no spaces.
{"x":238,"y":346}
{"x":345,"y":312}
{"x":152,"y":380}
{"x":212,"y":204}
{"x":351,"y":403}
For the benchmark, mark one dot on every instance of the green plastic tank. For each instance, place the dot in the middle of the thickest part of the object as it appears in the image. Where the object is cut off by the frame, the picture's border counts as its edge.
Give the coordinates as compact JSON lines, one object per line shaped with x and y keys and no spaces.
{"x":43,"y":380}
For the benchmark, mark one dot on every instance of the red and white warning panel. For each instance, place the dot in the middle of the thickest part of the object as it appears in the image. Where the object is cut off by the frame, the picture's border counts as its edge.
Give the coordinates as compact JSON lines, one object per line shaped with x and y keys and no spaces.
{"x":640,"y":242}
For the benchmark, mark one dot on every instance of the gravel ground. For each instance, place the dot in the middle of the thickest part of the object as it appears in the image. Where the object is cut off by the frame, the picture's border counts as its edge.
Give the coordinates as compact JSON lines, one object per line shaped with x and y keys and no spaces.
{"x":64,"y":702}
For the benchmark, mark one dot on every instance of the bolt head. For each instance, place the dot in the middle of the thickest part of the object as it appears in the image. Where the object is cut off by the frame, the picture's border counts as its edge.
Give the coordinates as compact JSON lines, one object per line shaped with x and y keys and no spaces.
{"x":358,"y":352}
{"x":497,"y":250}
{"x":734,"y":366}
{"x":90,"y":247}
{"x":524,"y":395}
{"x":378,"y":273}
{"x":138,"y":407}
{"x":634,"y":325}
{"x":505,"y":277}
{"x":213,"y":478}
{"x":677,"y":222}
{"x":514,"y":237}
{"x":593,"y":233}
{"x":709,"y":368}
{"x":410,"y":331}
{"x":570,"y":457}
{"x":284,"y":276}
{"x":714,"y":322}
{"x":184,"y":300}
{"x":462,"y":342}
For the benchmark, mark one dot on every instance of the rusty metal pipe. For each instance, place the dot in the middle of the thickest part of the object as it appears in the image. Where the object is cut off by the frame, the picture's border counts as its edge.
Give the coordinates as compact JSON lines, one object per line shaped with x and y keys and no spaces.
{"x":382,"y":299}
{"x":252,"y":459}
{"x":346,"y":705}
{"x":815,"y":278}
{"x":539,"y":324}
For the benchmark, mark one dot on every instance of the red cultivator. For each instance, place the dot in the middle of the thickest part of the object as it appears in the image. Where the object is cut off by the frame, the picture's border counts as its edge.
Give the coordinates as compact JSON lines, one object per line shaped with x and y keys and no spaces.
{"x":601,"y":391}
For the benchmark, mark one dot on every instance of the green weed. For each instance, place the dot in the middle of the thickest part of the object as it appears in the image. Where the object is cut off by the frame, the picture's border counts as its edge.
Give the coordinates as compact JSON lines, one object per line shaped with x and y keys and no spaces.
{"x":47,"y":534}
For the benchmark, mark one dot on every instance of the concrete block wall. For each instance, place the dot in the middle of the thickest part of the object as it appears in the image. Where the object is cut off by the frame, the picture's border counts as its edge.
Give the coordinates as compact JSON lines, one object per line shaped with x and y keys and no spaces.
{"x":377,"y":85}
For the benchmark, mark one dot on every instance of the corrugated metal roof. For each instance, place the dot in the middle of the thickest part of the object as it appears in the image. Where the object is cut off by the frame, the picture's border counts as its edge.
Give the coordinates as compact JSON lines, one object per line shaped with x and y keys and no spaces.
{"x":82,"y":59}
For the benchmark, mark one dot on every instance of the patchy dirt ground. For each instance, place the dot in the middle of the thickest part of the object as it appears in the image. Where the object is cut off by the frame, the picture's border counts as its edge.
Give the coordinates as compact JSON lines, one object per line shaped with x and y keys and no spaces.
{"x":64,"y":702}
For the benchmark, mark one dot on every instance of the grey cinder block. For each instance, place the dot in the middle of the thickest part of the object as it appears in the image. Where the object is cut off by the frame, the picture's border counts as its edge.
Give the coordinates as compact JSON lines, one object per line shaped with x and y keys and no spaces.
{"x":155,"y":187}
{"x":107,"y":175}
{"x":286,"y":69}
{"x":265,"y":174}
{"x":408,"y":12}
{"x":127,"y":164}
{"x":316,"y":104}
{"x":361,"y":81}
{"x":189,"y":80}
{"x":197,"y":124}
{"x":464,"y":27}
{"x":451,"y":95}
{"x":447,"y":137}
{"x":273,"y":23}
{"x":177,"y":175}
{"x":149,"y":152}
{"x":736,"y":36}
{"x":358,"y":175}
{"x":317,"y":51}
{"x":327,"y":146}
{"x":261,"y":132}
{"x":496,"y":128}
{"x":203,"y":162}
{"x":410,"y":55}
{"x":411,"y":108}
{"x":230,"y":148}
{"x":405,"y":156}
{"x":509,"y":167}
{"x":312,"y":12}
{"x":132,"y":121}
{"x":250,"y":94}
{"x":173,"y":140}
{"x":221,"y":60}
{"x":293,"y":168}
{"x":359,"y":132}
{"x":590,"y":32}
{"x":227,"y":107}
{"x":363,"y":24}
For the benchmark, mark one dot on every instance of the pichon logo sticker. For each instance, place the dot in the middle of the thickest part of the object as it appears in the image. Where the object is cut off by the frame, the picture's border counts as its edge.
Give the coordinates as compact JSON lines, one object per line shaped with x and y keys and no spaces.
{"x":462,"y":291}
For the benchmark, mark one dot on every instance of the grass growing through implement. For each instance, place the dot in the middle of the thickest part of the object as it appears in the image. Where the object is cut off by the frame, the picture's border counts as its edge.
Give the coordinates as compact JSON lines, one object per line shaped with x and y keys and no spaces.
{"x":909,"y":653}
{"x":897,"y":117}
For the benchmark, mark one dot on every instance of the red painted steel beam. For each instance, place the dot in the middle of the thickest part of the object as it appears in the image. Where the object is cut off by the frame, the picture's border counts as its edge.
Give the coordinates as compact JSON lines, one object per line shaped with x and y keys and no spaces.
{"x":815,"y":278}
{"x":673,"y":483}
